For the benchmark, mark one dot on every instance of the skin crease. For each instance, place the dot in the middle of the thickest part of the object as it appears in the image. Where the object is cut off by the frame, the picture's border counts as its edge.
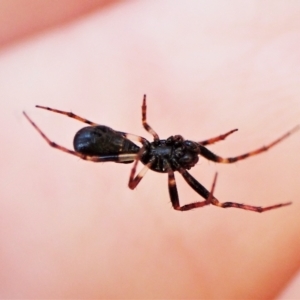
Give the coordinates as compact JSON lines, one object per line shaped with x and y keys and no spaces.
{"x":71,"y":228}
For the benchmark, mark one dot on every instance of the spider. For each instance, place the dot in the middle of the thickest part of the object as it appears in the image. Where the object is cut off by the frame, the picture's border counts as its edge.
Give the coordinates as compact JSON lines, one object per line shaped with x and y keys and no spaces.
{"x":99,"y":143}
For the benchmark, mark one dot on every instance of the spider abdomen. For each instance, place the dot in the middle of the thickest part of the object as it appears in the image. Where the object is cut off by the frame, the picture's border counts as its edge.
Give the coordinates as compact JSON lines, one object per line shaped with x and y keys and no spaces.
{"x":102,"y":140}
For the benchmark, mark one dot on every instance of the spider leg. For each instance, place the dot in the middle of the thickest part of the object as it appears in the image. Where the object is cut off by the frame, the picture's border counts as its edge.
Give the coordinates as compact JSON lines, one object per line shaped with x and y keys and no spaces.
{"x":217,"y":138}
{"x":211,"y":156}
{"x":133,"y":137}
{"x":104,"y":158}
{"x":195,"y":185}
{"x":69,"y":114}
{"x":201,"y":190}
{"x":247,"y":207}
{"x":174,"y":195}
{"x":144,"y":120}
{"x":212,"y":189}
{"x":135,"y":180}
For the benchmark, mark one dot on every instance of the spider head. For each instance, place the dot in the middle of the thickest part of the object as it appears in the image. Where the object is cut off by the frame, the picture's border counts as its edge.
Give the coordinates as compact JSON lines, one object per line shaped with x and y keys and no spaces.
{"x":187,"y":154}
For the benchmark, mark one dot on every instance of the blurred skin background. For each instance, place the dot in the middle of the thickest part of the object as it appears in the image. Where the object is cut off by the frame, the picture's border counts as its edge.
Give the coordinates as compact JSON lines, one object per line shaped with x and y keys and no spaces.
{"x":71,"y":228}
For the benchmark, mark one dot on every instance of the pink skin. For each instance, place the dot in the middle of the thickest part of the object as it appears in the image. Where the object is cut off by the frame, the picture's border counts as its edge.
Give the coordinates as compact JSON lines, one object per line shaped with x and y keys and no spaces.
{"x":71,"y":228}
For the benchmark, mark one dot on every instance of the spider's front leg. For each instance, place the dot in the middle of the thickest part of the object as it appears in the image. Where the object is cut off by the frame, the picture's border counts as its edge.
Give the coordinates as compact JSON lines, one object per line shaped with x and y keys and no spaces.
{"x":217,"y":138}
{"x":211,"y":156}
{"x":202,"y":191}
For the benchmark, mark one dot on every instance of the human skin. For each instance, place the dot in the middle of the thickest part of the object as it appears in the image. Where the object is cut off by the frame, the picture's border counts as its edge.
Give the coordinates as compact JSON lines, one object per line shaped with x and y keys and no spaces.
{"x":71,"y":228}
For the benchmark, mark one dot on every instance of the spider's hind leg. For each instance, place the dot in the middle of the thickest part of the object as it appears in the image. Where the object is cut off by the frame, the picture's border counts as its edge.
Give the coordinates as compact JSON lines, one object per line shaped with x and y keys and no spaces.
{"x":101,"y":158}
{"x":68,"y":114}
{"x":135,"y":180}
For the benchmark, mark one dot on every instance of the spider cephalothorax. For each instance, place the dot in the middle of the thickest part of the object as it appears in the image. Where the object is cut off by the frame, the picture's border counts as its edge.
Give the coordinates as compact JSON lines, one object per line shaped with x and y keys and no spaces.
{"x":173,"y":152}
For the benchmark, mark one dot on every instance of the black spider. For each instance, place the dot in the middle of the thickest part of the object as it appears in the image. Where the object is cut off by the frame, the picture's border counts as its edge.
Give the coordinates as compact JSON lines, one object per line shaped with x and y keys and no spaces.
{"x":99,"y":143}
